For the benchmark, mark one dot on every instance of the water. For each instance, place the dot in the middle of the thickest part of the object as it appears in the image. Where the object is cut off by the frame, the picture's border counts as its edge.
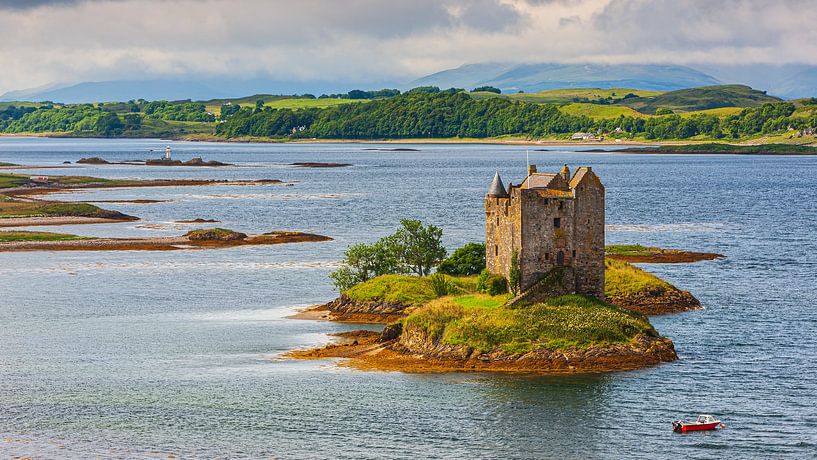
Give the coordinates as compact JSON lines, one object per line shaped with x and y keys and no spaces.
{"x":149,"y":354}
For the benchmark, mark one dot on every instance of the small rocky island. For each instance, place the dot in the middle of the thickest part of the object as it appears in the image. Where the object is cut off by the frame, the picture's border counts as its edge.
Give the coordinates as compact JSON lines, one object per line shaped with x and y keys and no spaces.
{"x":196,"y":239}
{"x":548,"y":299}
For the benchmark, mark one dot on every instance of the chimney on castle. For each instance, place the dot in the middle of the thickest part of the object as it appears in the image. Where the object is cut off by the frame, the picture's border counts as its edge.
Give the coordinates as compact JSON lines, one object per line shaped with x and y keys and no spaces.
{"x":565,"y":173}
{"x":531,"y":169}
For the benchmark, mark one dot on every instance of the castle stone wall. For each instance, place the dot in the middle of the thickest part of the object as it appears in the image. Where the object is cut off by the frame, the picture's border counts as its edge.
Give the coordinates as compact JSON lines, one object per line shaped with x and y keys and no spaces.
{"x":526,"y":221}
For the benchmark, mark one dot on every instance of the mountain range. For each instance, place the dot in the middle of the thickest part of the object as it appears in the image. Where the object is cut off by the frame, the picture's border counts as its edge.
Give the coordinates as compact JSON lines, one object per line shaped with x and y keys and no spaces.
{"x":787,"y":81}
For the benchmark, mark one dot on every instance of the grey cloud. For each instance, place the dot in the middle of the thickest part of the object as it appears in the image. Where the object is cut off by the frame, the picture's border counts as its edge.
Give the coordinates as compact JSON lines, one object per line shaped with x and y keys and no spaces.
{"x":29,"y":4}
{"x":489,"y":16}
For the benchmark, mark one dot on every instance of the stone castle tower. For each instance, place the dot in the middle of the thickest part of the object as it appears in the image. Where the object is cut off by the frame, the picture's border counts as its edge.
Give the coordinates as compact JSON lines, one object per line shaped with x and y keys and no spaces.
{"x":552,"y":220}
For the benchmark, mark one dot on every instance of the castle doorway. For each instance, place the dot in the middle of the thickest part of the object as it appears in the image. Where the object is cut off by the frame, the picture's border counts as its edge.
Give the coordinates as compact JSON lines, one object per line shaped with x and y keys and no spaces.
{"x":560,"y":258}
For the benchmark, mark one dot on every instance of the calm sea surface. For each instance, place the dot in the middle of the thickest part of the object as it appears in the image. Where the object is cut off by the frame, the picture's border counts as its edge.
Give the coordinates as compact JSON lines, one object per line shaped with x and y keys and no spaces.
{"x":149,"y":354}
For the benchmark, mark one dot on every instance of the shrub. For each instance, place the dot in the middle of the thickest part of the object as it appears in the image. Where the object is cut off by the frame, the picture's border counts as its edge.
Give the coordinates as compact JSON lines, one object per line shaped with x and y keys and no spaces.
{"x":441,"y":285}
{"x":467,"y":260}
{"x":514,"y":275}
{"x":489,"y":283}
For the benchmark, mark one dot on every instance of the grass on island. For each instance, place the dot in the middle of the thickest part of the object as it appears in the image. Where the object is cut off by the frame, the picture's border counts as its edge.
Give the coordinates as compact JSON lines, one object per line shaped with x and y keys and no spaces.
{"x":630,"y":250}
{"x":2,"y":163}
{"x":14,"y":236}
{"x":10,"y":208}
{"x":404,"y":289}
{"x":623,"y":279}
{"x":562,"y":322}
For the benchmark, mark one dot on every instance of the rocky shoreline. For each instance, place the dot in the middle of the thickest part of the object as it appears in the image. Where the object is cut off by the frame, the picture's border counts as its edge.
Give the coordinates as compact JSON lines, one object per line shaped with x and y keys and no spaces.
{"x":343,"y":309}
{"x":415,"y":352}
{"x":657,"y":302}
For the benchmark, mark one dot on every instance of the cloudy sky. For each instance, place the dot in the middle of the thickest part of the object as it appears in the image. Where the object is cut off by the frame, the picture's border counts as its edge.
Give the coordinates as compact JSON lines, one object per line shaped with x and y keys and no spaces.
{"x":45,"y":41}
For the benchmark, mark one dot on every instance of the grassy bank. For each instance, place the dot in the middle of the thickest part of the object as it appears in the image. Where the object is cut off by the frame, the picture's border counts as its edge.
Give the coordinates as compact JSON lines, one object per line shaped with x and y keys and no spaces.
{"x":15,"y":236}
{"x":17,"y":208}
{"x":561,"y":322}
{"x":623,"y":279}
{"x":406,"y":290}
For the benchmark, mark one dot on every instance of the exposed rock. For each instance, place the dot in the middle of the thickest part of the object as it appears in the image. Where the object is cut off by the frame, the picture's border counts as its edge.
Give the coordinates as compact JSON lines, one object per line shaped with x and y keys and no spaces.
{"x":319,"y":165}
{"x":657,"y":301}
{"x":347,"y":310}
{"x":391,"y":332}
{"x":93,"y":161}
{"x":197,"y":221}
{"x":215,"y":234}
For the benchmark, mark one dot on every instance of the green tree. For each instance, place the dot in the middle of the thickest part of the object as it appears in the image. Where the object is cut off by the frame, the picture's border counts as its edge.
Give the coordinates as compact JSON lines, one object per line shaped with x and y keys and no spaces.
{"x":418,"y":247}
{"x":362,"y":262}
{"x":132,"y":121}
{"x":489,"y":89}
{"x":108,"y":124}
{"x":514,"y":274}
{"x":465,"y":261}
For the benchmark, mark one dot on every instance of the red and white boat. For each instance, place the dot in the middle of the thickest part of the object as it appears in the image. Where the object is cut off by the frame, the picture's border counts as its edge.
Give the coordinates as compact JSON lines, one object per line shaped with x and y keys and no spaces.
{"x":702,"y":423}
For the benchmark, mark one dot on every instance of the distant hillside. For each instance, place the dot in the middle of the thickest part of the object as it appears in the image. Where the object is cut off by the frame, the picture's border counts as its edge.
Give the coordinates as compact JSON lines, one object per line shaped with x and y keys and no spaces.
{"x":174,"y":90}
{"x":704,"y":98}
{"x":538,"y":77}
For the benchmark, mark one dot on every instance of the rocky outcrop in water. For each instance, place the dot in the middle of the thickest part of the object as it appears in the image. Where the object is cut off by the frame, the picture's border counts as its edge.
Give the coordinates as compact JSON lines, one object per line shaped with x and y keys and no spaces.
{"x":348,"y":310}
{"x":657,"y":301}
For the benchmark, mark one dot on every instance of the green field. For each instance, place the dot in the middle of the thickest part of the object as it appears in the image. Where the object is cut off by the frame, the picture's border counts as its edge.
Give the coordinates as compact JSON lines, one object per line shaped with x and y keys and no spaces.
{"x":600,"y":111}
{"x":278,"y":102}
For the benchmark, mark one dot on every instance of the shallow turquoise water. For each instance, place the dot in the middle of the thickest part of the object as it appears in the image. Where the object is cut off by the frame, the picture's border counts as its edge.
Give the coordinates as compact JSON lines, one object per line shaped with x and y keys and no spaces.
{"x":135,"y":354}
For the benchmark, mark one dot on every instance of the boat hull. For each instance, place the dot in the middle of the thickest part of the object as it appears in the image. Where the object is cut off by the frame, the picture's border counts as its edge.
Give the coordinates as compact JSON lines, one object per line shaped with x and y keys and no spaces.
{"x":686,"y":427}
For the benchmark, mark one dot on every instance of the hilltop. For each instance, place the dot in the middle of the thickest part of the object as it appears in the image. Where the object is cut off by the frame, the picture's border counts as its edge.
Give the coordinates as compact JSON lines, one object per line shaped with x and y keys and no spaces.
{"x":703,"y":98}
{"x":543,"y":76}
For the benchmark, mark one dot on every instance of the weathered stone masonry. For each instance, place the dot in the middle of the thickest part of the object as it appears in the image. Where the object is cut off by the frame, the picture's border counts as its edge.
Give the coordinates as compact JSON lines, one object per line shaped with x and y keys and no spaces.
{"x":552,"y":220}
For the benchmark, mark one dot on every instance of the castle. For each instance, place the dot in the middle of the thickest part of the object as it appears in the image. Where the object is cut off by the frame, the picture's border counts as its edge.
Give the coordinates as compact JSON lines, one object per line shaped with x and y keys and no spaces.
{"x":551,"y":220}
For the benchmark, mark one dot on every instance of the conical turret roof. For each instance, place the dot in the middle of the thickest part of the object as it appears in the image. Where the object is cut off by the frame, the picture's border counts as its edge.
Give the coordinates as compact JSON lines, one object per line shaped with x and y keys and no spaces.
{"x":497,"y":189}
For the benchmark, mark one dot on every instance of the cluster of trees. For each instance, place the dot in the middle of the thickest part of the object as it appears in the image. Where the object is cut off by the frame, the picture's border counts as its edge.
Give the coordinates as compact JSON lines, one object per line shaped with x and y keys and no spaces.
{"x":429,"y":112}
{"x":412,"y":249}
{"x":360,"y":94}
{"x":487,"y":89}
{"x":177,"y":111}
{"x":81,"y":118}
{"x":420,"y":113}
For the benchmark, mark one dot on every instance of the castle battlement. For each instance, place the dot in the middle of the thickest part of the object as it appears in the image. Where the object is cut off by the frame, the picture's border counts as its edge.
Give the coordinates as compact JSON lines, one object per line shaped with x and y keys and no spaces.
{"x":552,"y":220}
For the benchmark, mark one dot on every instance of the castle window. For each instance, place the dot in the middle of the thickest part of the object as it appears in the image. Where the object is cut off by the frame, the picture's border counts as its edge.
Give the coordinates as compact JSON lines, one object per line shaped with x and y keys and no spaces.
{"x":574,"y":253}
{"x":560,"y":258}
{"x":496,"y":250}
{"x":561,"y":205}
{"x":557,"y":222}
{"x":497,"y":220}
{"x":547,"y":256}
{"x":547,"y":201}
